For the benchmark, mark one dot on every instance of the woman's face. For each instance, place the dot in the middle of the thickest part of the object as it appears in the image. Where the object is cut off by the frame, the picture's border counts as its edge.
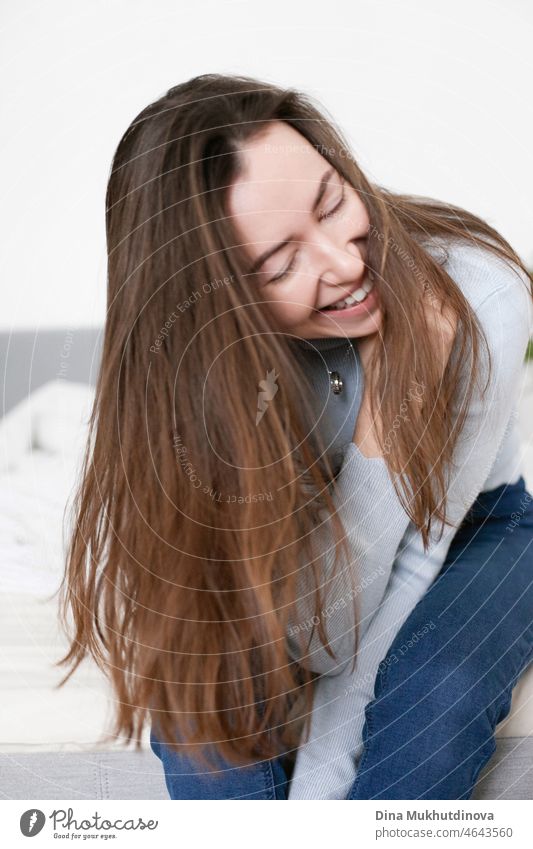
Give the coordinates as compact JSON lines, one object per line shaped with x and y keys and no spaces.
{"x":304,"y":229}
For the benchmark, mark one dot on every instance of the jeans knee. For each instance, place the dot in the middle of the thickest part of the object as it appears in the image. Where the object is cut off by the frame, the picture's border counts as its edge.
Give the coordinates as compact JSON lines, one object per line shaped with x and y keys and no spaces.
{"x":444,"y":687}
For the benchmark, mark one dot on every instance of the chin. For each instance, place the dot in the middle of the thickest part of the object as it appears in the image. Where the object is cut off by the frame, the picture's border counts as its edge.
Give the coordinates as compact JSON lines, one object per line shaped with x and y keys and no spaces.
{"x":374,"y":325}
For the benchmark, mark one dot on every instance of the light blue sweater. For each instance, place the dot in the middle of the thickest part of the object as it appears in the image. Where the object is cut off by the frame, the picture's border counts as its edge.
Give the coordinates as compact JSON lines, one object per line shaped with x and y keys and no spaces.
{"x":390,"y":571}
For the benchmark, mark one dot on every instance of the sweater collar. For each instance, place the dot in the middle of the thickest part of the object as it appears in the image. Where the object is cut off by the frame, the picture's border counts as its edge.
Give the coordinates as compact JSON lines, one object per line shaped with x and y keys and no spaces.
{"x":324,"y":343}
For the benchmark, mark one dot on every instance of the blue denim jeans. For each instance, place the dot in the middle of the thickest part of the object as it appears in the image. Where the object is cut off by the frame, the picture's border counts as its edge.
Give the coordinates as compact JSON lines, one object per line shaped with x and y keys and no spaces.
{"x":430,"y":727}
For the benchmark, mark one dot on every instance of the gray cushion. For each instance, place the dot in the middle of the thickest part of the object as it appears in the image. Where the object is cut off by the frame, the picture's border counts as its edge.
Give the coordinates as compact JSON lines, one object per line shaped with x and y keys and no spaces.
{"x":139,"y":775}
{"x":92,"y":775}
{"x":509,"y":773}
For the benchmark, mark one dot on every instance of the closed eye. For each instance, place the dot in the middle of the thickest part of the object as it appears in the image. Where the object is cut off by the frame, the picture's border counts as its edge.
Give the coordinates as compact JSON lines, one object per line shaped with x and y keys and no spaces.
{"x":338,"y":206}
{"x":287,"y":271}
{"x":324,"y":216}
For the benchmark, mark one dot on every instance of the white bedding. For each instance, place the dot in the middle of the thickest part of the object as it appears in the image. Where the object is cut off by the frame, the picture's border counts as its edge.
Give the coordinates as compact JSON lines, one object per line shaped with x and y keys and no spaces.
{"x":41,"y":446}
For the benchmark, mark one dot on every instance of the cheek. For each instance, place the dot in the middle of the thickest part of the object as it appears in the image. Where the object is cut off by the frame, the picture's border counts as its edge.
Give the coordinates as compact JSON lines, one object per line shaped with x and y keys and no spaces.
{"x":286,"y":311}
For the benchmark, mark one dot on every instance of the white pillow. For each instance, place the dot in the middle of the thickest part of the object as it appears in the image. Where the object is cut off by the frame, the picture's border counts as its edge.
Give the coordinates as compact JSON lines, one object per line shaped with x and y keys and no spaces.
{"x":15,"y":435}
{"x":54,"y":418}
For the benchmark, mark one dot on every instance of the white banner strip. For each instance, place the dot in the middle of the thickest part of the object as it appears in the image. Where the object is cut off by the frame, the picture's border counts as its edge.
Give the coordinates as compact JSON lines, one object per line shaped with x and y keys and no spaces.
{"x":192,"y":824}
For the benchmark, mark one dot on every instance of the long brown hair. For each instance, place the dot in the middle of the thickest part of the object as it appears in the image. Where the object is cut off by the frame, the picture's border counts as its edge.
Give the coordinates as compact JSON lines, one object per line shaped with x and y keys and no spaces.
{"x":191,"y":522}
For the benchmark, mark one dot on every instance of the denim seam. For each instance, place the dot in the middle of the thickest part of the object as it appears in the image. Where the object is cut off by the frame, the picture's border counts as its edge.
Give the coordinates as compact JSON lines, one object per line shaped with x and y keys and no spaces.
{"x":370,"y":727}
{"x":382,"y":678}
{"x":270,"y":789}
{"x":526,"y":659}
{"x":482,"y":762}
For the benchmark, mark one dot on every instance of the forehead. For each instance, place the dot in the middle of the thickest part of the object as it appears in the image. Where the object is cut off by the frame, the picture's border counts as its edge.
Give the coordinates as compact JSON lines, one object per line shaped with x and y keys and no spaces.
{"x":280,"y":178}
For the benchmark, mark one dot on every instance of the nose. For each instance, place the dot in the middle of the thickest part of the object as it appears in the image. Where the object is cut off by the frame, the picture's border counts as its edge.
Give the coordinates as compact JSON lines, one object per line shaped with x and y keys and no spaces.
{"x":344,"y":265}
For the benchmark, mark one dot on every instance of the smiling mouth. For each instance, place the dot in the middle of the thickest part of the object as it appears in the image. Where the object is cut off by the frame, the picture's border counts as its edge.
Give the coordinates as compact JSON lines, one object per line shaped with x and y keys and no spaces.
{"x":356,"y":297}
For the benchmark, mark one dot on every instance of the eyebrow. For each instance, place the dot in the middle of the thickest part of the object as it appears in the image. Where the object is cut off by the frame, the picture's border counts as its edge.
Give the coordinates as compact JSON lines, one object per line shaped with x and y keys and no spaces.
{"x":316,"y":203}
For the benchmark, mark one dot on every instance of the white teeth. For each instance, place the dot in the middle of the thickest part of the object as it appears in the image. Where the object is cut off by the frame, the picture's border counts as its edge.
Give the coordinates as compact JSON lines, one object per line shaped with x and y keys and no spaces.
{"x":355,"y":298}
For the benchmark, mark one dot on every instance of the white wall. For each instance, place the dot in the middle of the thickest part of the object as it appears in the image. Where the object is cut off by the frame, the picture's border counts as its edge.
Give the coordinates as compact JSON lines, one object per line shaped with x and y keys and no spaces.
{"x":435,"y":97}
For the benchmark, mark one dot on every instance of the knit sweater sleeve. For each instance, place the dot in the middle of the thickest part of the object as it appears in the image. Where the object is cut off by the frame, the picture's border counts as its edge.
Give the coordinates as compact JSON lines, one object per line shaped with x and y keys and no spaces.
{"x":363,"y":495}
{"x":326,"y":765}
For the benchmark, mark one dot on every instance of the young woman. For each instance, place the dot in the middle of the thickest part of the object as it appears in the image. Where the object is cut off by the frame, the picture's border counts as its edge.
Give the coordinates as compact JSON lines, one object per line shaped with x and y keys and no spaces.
{"x":274,"y":477}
